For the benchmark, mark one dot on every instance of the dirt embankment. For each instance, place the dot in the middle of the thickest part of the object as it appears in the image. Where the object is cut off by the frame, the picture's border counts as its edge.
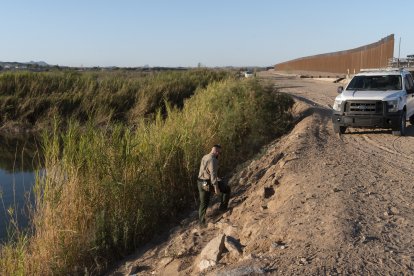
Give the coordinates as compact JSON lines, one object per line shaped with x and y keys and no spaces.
{"x":312,"y":203}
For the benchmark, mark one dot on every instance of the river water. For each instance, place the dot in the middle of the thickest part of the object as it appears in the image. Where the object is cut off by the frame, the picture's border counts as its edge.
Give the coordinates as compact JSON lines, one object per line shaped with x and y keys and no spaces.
{"x":19,"y":160}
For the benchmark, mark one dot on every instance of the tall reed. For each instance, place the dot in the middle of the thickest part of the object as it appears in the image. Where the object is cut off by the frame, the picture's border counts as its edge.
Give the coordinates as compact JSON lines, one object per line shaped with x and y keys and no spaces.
{"x":28,"y":100}
{"x":108,"y":190}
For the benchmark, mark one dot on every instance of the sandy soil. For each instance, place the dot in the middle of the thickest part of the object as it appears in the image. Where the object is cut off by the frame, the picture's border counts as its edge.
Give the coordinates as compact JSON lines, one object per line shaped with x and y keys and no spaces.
{"x":312,"y":203}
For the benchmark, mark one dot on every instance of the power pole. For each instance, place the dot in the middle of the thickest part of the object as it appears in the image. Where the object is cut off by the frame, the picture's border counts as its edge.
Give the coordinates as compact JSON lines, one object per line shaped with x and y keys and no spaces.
{"x":399,"y":51}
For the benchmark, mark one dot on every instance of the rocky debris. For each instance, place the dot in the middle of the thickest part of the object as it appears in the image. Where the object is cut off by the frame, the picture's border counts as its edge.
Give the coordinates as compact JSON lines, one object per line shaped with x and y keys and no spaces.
{"x":283,"y":162}
{"x":259,"y":174}
{"x":393,"y":211}
{"x":205,"y":264}
{"x":211,"y":253}
{"x":278,"y":244}
{"x":227,"y":228}
{"x":242,"y":271}
{"x":367,"y":239}
{"x":164,"y":262}
{"x":180,"y":246}
{"x":277,"y":158}
{"x":303,"y":261}
{"x":136,"y":269}
{"x":249,"y":228}
{"x":172,"y":268}
{"x":233,"y":246}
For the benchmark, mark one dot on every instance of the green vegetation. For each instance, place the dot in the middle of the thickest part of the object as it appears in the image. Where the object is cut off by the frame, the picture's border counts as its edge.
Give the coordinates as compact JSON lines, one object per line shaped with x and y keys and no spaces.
{"x":108,"y":190}
{"x":28,"y":100}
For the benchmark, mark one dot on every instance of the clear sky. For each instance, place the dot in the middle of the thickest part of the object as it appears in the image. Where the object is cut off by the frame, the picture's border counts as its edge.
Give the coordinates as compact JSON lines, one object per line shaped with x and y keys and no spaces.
{"x":188,"y":32}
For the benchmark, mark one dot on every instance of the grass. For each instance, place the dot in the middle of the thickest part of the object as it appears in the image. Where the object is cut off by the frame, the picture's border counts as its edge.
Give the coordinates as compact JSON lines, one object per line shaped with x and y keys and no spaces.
{"x":107,"y":190}
{"x":28,"y":100}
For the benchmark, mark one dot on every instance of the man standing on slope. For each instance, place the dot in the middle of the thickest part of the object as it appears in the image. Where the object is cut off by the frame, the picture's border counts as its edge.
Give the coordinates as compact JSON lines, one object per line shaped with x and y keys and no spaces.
{"x":208,"y":180}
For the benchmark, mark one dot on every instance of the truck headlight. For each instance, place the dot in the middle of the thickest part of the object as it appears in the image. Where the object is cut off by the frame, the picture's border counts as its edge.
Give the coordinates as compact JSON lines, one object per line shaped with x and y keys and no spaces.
{"x":392,"y":106}
{"x":337,"y":105}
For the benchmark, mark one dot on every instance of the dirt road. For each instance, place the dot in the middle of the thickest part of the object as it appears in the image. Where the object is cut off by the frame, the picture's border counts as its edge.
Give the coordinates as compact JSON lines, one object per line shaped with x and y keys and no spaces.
{"x":360,"y":188}
{"x":314,"y":203}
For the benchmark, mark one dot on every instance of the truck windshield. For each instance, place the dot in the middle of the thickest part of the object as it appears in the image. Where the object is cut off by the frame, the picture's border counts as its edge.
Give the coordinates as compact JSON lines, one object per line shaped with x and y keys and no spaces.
{"x":381,"y":82}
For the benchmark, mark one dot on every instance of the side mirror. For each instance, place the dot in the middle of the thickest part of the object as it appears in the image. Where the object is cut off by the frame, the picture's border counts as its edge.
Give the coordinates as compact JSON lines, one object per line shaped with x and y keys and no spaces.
{"x":340,"y":89}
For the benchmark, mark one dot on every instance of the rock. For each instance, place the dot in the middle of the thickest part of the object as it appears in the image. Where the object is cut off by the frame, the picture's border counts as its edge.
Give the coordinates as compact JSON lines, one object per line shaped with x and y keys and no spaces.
{"x":250,"y":257}
{"x":278,"y":244}
{"x":135,"y":269}
{"x":180,"y":246}
{"x":172,"y":268}
{"x":233,"y":246}
{"x":263,"y":207}
{"x":248,"y":229}
{"x":303,"y":261}
{"x":242,"y":271}
{"x":205,"y":264}
{"x":164,"y":262}
{"x":230,"y":230}
{"x":393,"y":211}
{"x":212,"y":252}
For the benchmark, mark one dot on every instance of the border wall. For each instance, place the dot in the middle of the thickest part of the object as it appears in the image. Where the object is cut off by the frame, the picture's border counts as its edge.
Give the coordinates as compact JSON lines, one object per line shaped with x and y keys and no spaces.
{"x":373,"y":55}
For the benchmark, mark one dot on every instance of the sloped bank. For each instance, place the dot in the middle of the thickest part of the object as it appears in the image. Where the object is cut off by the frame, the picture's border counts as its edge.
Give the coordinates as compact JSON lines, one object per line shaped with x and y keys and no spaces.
{"x":230,"y":244}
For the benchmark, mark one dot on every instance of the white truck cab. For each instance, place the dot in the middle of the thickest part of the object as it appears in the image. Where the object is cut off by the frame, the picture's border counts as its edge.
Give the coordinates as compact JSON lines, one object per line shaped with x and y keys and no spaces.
{"x":375,"y":98}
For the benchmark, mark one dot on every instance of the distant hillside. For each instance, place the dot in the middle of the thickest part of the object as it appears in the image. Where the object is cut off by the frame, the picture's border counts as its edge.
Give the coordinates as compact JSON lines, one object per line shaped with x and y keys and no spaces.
{"x":40,"y":63}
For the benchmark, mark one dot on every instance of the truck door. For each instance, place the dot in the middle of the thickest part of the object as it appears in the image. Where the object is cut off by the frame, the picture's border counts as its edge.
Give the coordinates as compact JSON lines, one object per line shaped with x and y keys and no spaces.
{"x":409,"y":87}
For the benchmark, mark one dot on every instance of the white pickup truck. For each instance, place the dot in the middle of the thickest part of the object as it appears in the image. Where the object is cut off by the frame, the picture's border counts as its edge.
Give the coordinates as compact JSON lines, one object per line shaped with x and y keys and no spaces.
{"x":376,"y":98}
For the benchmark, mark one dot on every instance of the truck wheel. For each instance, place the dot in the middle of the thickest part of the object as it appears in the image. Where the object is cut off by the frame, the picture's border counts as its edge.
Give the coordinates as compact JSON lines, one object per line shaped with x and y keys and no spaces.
{"x":411,"y":120}
{"x":339,"y":129}
{"x":401,"y":128}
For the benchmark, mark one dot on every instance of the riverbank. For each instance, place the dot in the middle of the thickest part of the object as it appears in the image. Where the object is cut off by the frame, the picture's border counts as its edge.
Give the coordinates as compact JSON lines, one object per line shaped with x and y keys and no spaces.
{"x":108,"y":190}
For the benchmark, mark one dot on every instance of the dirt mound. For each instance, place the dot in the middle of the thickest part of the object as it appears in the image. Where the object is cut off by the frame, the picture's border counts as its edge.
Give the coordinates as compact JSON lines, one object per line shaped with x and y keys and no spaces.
{"x":262,"y":187}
